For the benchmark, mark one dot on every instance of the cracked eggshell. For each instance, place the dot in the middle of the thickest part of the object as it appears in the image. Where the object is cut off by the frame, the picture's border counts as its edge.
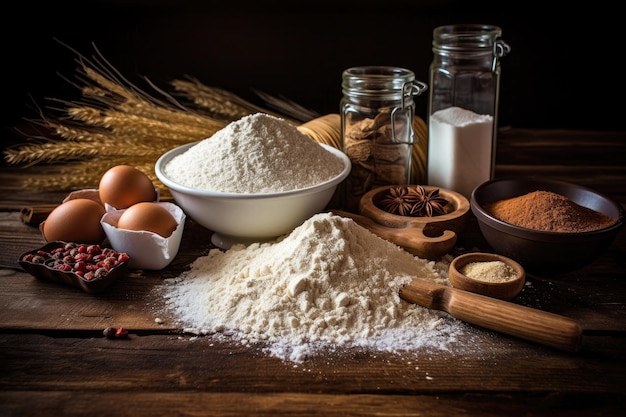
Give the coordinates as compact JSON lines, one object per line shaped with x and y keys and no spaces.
{"x":147,"y":250}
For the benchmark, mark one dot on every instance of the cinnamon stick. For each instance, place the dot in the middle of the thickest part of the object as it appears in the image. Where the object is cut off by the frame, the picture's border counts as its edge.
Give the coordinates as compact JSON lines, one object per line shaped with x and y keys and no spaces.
{"x":34,"y":215}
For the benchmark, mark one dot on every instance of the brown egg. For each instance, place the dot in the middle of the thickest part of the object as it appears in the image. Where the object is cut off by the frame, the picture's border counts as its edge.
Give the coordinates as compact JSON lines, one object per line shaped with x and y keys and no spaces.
{"x":76,"y":220}
{"x":124,"y":185}
{"x":148,"y":216}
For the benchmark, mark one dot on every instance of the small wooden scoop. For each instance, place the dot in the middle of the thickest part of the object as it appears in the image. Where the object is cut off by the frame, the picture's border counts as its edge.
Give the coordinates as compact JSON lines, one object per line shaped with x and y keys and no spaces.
{"x":426,"y":237}
{"x":513,"y":319}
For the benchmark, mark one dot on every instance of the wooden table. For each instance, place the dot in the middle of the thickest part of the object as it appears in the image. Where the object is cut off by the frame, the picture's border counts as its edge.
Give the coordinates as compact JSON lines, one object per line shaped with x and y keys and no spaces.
{"x":54,"y":359}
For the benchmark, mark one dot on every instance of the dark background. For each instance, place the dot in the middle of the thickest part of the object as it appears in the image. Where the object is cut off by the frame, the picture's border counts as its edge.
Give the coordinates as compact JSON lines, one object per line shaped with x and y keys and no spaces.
{"x":564,"y":70}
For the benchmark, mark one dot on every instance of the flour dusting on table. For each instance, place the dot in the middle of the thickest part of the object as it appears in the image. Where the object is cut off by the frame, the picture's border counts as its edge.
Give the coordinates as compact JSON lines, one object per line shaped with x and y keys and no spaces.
{"x":330,"y":283}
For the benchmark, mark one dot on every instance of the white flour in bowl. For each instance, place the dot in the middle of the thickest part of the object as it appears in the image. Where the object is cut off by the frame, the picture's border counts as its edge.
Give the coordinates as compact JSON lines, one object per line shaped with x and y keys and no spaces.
{"x":258,"y":153}
{"x":330,"y":283}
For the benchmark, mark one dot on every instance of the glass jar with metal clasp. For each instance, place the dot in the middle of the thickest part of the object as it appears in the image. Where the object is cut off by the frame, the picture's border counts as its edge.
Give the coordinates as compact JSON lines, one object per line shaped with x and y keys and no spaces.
{"x":377,"y":111}
{"x":463,"y":105}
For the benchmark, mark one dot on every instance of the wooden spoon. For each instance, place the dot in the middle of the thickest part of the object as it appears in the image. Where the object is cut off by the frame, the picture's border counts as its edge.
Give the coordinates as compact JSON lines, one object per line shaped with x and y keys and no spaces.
{"x":411,"y":238}
{"x":502,"y":316}
{"x":426,"y":237}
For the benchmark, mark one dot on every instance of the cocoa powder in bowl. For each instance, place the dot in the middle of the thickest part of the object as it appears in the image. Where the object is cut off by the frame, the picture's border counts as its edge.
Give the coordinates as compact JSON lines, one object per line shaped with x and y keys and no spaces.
{"x":549,"y":212}
{"x":545,"y":252}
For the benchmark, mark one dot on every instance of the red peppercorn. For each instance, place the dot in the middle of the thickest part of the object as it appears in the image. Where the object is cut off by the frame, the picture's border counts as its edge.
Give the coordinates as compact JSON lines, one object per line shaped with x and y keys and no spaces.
{"x":121,"y":333}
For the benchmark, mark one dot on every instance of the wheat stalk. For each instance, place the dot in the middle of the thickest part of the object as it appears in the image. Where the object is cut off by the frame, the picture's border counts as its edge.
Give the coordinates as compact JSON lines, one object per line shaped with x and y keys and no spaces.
{"x":75,"y":176}
{"x":115,"y":122}
{"x":214,"y":100}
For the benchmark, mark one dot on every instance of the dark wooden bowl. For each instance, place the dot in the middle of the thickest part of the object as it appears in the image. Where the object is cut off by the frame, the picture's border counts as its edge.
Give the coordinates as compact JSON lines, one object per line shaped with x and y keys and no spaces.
{"x":543,"y":252}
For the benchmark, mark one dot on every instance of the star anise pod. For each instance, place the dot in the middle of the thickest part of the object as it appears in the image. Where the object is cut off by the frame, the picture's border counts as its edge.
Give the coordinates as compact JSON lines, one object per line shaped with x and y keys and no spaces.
{"x":397,"y":201}
{"x":429,"y":203}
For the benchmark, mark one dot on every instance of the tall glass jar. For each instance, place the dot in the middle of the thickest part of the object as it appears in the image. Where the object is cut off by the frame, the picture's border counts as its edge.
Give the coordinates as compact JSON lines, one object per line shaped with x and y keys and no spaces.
{"x":377,"y":111}
{"x":463,"y":105}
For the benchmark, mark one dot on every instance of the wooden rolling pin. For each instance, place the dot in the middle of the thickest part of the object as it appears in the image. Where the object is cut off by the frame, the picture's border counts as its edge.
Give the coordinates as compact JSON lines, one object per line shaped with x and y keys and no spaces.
{"x":490,"y":313}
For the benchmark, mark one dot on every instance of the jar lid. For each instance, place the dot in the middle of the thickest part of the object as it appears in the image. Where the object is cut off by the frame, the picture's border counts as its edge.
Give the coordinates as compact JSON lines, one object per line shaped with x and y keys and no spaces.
{"x":380,"y":81}
{"x":465,"y":37}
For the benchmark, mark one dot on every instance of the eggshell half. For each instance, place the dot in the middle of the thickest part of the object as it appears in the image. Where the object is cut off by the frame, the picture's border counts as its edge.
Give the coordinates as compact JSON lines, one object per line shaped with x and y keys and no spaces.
{"x":147,"y":250}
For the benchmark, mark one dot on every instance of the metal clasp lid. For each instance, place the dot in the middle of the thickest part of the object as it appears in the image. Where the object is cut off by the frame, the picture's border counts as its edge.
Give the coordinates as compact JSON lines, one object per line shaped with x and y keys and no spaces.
{"x":500,"y":49}
{"x":410,"y":89}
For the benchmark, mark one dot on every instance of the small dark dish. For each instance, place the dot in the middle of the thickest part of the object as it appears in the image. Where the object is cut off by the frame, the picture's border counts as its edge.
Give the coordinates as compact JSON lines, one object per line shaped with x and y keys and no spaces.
{"x":46,"y":272}
{"x":543,"y":252}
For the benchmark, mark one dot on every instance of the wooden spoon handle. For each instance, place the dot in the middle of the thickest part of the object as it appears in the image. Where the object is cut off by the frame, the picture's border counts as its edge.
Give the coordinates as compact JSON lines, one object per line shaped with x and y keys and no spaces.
{"x":412,"y":239}
{"x":490,"y":313}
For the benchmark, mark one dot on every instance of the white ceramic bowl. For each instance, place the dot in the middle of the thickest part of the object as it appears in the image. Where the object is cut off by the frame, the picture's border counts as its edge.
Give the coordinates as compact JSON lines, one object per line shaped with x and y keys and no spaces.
{"x":245,"y":218}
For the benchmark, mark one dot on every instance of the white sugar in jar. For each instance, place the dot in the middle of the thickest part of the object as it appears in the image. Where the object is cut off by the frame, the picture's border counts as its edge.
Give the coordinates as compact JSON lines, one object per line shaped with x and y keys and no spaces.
{"x":459,"y":156}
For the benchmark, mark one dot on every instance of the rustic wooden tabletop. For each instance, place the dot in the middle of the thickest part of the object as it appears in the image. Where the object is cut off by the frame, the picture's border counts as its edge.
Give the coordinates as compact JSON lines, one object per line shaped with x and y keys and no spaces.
{"x":55,"y":360}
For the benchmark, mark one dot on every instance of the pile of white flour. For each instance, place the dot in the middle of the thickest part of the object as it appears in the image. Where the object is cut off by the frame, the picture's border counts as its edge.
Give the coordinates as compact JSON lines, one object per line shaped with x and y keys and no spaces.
{"x":258,"y":153}
{"x":330,"y":283}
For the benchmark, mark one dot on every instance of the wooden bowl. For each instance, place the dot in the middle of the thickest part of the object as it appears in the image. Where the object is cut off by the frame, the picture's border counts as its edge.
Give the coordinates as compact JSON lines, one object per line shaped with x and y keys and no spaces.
{"x":426,"y":237}
{"x":487,"y":284}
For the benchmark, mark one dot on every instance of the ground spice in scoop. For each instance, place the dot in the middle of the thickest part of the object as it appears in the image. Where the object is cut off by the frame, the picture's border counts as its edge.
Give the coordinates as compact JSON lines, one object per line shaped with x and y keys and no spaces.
{"x":548,"y":211}
{"x":489,"y":271}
